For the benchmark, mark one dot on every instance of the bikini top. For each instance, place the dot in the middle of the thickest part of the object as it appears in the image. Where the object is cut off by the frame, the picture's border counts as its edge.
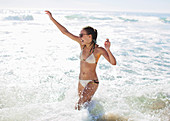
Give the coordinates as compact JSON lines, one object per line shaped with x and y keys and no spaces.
{"x":91,"y":59}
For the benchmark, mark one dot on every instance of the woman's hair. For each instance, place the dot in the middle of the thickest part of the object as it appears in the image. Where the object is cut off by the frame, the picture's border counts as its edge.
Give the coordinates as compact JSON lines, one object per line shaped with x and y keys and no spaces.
{"x":93,"y":32}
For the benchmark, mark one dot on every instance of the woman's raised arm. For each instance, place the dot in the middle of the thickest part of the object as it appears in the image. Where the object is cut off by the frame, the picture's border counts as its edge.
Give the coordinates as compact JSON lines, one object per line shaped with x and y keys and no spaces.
{"x":107,"y":53}
{"x":63,"y":29}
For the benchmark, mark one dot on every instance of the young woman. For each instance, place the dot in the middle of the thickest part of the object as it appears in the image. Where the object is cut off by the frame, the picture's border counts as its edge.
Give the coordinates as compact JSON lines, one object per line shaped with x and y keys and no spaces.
{"x":89,"y":56}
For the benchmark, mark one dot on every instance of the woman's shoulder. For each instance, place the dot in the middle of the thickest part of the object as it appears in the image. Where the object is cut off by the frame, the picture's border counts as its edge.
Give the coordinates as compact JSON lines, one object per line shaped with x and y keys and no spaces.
{"x":99,"y":49}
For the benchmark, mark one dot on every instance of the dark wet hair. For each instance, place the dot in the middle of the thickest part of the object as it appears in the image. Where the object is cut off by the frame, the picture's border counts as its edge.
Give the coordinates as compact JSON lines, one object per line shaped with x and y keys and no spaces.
{"x":93,"y":32}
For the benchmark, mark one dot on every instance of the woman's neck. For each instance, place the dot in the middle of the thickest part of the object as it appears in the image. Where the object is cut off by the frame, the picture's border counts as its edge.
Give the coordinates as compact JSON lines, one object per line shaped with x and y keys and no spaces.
{"x":89,"y":45}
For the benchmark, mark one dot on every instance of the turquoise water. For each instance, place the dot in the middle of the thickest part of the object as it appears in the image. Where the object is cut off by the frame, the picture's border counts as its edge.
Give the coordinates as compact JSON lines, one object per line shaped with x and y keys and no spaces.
{"x":39,"y":67}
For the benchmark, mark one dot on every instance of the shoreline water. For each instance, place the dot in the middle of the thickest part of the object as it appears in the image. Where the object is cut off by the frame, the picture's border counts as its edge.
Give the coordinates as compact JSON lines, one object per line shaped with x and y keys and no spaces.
{"x":40,"y":66}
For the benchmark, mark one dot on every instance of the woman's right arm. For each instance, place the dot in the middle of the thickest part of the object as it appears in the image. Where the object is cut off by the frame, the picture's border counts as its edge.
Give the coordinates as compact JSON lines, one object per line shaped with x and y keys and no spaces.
{"x":63,"y":29}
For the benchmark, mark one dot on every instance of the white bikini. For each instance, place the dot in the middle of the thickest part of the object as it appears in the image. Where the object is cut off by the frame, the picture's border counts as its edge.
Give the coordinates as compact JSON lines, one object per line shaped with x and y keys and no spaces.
{"x":91,"y":60}
{"x":85,"y":82}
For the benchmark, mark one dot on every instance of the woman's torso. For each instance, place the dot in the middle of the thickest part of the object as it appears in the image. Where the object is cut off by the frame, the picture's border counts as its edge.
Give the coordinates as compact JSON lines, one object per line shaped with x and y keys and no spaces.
{"x":88,"y":63}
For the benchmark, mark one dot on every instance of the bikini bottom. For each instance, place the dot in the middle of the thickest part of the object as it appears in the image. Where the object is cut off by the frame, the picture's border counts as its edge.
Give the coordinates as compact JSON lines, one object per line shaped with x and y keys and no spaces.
{"x":85,"y":82}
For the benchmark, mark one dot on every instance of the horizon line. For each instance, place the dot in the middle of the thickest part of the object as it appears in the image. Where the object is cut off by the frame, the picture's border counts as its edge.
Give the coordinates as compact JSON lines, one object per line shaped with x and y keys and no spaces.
{"x":73,"y":9}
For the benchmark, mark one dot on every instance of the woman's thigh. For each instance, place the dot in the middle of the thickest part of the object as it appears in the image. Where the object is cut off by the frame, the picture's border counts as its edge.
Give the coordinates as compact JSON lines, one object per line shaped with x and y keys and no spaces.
{"x":89,"y":91}
{"x":80,"y":89}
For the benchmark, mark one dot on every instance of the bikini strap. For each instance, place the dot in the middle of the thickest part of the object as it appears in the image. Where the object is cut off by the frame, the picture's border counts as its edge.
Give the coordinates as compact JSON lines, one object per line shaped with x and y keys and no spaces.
{"x":84,"y":47}
{"x":92,"y":48}
{"x":96,"y":81}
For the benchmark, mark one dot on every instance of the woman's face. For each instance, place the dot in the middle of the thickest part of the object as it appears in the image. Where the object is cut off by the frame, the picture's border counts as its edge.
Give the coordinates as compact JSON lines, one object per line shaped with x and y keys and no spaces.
{"x":85,"y":38}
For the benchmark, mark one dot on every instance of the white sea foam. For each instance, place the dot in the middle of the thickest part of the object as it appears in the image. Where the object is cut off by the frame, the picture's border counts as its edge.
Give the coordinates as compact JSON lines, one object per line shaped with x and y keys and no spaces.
{"x":39,"y":67}
{"x":19,"y":18}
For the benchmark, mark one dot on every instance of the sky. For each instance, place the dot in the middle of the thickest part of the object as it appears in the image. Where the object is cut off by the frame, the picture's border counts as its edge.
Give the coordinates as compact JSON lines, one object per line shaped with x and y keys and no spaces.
{"x":159,"y":6}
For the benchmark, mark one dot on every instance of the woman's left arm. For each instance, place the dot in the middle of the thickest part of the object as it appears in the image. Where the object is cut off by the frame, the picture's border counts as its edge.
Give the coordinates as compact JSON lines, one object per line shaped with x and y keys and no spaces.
{"x":107,"y":53}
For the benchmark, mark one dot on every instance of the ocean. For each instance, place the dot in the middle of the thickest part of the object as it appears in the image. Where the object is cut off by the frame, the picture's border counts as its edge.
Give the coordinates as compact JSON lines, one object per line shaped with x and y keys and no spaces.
{"x":39,"y":66}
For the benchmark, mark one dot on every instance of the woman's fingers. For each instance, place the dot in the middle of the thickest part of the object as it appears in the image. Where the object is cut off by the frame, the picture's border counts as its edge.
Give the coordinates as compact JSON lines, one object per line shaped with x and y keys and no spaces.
{"x":107,"y":44}
{"x":107,"y":41}
{"x":48,"y":12}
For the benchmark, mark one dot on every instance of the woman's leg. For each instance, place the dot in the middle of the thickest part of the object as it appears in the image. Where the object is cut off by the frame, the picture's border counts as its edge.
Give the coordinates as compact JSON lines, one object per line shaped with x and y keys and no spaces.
{"x":80,"y":89}
{"x":87,"y":93}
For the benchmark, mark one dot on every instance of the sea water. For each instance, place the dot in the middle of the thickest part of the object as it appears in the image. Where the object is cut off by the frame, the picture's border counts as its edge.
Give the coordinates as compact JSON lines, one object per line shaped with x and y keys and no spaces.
{"x":39,"y":66}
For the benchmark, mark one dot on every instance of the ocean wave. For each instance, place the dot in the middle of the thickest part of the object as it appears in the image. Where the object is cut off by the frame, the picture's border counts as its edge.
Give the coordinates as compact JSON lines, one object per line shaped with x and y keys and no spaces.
{"x":80,"y":16}
{"x":102,"y":18}
{"x":76,"y":16}
{"x":20,"y":18}
{"x":128,"y":20}
{"x":165,"y":20}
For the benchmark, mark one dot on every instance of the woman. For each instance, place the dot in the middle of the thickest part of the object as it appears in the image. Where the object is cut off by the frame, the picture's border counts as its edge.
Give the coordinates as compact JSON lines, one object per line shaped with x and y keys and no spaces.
{"x":89,"y":56}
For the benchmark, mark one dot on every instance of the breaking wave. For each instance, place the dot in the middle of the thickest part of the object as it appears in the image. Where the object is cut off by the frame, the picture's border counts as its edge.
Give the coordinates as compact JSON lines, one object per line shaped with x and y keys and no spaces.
{"x":128,"y":20}
{"x":19,"y":18}
{"x":80,"y":17}
{"x":165,"y":20}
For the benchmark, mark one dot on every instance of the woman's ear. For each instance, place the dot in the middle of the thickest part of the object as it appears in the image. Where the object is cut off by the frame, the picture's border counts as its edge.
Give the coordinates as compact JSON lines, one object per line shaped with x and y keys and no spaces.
{"x":90,"y":36}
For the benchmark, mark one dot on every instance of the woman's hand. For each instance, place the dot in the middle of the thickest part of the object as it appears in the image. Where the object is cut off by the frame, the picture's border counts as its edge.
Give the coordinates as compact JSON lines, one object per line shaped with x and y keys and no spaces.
{"x":107,"y":53}
{"x":107,"y":44}
{"x":49,"y":14}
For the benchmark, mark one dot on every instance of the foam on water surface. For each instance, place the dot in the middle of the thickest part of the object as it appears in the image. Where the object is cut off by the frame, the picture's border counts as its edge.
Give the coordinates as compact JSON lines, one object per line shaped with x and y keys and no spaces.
{"x":39,"y":67}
